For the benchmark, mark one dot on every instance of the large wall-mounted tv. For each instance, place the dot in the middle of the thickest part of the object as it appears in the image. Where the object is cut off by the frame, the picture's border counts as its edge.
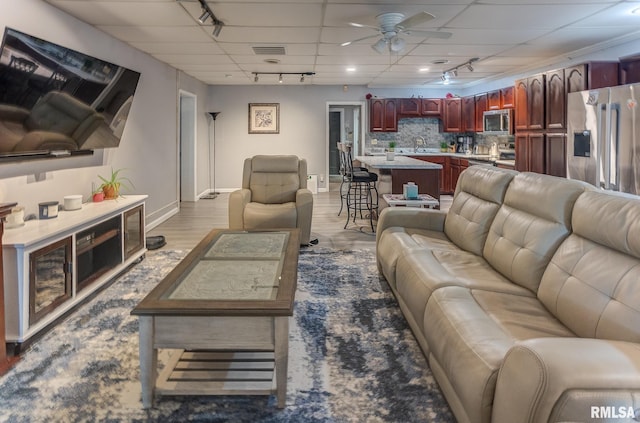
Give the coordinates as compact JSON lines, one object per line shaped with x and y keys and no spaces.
{"x":58,"y":102}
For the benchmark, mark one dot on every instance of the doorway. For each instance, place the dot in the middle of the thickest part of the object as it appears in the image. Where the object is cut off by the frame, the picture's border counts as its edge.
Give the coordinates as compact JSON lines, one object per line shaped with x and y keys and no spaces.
{"x":187,"y":145}
{"x":345,"y":123}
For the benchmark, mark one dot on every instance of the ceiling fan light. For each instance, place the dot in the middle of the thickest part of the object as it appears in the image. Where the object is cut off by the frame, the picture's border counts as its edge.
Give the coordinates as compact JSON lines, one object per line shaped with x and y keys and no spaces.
{"x":397,"y":44}
{"x":380,"y":46}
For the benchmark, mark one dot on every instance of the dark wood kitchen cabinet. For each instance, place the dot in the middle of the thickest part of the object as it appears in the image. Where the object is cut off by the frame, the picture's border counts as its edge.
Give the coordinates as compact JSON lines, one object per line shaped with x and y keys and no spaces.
{"x":592,"y":75}
{"x":555,"y":151}
{"x":452,"y":119}
{"x":629,"y":69}
{"x":409,"y":106}
{"x":383,"y":115}
{"x":431,"y":107}
{"x":507,"y":99}
{"x":481,"y":107}
{"x":456,"y":166}
{"x":530,"y":96}
{"x":556,"y":100}
{"x":445,"y":185}
{"x":493,"y":100}
{"x":468,"y":114}
{"x":530,"y":152}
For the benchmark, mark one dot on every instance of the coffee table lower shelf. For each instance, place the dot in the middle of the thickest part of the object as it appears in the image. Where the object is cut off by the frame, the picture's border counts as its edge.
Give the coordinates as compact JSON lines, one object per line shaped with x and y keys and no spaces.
{"x":218,"y":372}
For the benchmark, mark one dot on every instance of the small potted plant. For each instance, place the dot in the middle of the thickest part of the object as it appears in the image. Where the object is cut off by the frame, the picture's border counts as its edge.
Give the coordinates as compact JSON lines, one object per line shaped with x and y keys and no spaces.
{"x":111,"y":187}
{"x":444,"y":146}
{"x":391,"y":150}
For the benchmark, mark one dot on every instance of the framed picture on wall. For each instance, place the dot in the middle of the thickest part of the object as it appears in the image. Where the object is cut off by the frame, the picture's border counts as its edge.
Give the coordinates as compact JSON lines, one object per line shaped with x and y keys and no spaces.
{"x":264,"y":118}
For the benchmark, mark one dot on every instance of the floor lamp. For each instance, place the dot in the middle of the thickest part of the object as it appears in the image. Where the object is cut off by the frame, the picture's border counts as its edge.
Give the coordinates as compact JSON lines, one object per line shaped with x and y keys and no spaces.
{"x":210,"y":195}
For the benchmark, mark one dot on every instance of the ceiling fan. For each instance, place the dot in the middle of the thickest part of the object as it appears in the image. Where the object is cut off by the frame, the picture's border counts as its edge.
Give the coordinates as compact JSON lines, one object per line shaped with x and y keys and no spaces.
{"x":391,"y":25}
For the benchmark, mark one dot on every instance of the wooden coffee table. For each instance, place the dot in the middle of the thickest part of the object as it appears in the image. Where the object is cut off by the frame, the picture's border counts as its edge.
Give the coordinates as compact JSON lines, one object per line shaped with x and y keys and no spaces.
{"x":225,"y":308}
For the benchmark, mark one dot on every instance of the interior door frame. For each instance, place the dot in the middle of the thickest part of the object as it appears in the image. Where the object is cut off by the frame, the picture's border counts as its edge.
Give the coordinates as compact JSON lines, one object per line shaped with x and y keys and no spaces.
{"x":358,"y":144}
{"x":188,"y":136}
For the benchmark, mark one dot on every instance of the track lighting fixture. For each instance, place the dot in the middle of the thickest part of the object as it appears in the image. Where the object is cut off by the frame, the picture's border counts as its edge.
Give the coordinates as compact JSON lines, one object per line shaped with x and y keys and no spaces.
{"x":206,"y":14}
{"x":203,"y":18}
{"x":453,"y":72}
{"x":280,"y":75}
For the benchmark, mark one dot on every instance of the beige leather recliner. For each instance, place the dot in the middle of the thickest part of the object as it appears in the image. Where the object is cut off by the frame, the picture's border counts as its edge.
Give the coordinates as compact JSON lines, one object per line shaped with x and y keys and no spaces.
{"x":274,"y":194}
{"x":58,"y":121}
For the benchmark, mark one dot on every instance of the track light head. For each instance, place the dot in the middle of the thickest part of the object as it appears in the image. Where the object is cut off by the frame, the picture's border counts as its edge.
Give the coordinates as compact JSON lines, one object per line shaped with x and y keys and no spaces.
{"x":255,"y":78}
{"x":205,"y":15}
{"x":217,"y":27}
{"x":302,"y":77}
{"x":280,"y":79}
{"x":470,"y":67}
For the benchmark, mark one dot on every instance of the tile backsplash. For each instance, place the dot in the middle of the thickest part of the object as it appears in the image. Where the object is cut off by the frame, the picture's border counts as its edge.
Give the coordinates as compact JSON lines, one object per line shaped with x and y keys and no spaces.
{"x":428,"y":128}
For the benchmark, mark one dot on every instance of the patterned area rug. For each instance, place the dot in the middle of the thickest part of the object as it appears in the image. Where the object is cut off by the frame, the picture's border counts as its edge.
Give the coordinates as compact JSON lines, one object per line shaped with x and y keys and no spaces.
{"x":352,"y":357}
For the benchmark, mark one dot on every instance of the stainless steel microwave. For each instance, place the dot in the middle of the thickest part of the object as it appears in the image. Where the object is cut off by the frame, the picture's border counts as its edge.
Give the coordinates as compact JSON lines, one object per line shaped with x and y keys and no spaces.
{"x":497,"y":122}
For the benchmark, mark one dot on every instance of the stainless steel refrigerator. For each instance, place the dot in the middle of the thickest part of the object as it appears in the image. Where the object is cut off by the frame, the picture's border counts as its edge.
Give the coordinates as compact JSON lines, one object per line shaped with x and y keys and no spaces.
{"x":603,"y":137}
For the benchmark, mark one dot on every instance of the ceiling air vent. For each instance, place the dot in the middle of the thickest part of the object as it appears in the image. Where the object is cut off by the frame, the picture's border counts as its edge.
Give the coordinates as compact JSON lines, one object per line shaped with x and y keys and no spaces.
{"x":270,"y":50}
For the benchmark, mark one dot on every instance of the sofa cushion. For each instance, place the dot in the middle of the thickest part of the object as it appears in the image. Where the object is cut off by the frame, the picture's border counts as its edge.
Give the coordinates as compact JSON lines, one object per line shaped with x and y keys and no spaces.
{"x":591,"y":284}
{"x":268,"y":216}
{"x":479,"y":192}
{"x":530,"y":225}
{"x":420,"y":272}
{"x":469,"y":332}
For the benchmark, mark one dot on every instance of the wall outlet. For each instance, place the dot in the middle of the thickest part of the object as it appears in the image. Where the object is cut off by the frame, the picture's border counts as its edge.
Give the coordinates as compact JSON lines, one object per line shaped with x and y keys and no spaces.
{"x":374,"y":141}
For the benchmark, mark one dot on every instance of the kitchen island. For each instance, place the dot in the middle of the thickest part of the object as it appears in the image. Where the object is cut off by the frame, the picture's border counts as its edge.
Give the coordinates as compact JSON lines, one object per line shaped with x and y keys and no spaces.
{"x":392,"y":174}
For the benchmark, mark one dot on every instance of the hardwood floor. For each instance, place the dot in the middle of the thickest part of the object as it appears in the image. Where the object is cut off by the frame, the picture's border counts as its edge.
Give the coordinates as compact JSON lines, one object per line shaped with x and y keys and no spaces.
{"x":184,"y":230}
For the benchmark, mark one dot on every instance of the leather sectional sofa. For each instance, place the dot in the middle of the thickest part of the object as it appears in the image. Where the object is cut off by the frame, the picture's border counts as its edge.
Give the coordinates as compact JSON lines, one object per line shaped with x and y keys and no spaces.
{"x":524,"y":296}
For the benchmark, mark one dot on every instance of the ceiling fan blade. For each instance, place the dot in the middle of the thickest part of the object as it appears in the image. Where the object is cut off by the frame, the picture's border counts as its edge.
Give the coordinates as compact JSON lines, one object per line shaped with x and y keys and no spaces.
{"x":430,"y":34}
{"x":417,"y":19}
{"x":359,"y":39}
{"x":358,"y":25}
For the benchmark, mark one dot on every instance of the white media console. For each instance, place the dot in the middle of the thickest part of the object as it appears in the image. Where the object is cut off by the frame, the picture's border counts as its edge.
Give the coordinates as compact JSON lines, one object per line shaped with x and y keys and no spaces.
{"x":51,"y":266}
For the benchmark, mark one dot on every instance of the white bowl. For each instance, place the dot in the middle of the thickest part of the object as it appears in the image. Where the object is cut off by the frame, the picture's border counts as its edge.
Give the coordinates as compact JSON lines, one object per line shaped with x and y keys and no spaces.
{"x":73,"y":202}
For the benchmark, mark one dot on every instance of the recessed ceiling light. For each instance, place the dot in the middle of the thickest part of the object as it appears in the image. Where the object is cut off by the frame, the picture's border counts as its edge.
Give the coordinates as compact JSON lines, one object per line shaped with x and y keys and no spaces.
{"x":423,"y":70}
{"x":440,"y":62}
{"x":272,"y":61}
{"x":351,"y":69}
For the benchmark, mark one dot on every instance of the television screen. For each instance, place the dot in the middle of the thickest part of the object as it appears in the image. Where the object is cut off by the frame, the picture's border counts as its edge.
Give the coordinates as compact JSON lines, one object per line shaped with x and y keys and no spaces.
{"x":55,"y":101}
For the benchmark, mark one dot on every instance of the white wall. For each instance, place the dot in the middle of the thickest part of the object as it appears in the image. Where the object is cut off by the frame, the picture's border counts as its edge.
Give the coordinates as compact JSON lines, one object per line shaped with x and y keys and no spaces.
{"x":303,"y":121}
{"x":148,"y":146}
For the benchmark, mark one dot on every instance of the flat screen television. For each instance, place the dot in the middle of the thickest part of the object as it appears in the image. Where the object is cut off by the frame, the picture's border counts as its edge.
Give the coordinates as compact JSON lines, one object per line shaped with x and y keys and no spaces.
{"x":58,"y":102}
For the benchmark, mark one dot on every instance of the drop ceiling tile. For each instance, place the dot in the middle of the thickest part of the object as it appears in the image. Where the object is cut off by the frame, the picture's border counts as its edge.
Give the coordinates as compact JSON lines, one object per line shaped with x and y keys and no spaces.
{"x":269,"y":35}
{"x":209,"y":47}
{"x":284,"y":60}
{"x":247,"y":48}
{"x":126,"y":13}
{"x":339,"y":15}
{"x":150,"y":34}
{"x":178,"y":59}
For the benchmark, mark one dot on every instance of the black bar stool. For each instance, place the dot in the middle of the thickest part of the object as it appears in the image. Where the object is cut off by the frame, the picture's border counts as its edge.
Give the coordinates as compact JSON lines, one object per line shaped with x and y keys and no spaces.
{"x":361,"y":196}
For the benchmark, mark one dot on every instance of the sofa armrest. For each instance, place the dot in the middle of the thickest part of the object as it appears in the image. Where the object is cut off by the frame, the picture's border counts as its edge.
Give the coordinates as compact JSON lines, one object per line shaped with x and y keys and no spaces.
{"x":410,"y":217}
{"x":304,"y":207}
{"x":13,"y":113}
{"x":237,"y":201}
{"x":564,"y":379}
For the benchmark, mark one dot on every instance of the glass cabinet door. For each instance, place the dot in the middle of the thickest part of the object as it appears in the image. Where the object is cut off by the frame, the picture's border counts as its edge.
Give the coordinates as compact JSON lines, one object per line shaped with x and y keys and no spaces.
{"x":133,"y":231}
{"x":49,"y":278}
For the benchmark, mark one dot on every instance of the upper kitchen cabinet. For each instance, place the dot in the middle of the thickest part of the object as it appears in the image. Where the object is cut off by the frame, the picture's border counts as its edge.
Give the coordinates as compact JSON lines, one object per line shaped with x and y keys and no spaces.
{"x":382,"y":115}
{"x":555,"y":99}
{"x":530,"y":97}
{"x":481,"y":107}
{"x":468,"y":114}
{"x":501,"y":99}
{"x":416,"y":107}
{"x":507,"y":99}
{"x":409,"y":106}
{"x":452,"y":119}
{"x":431,"y":107}
{"x":629,"y":69}
{"x":592,"y":75}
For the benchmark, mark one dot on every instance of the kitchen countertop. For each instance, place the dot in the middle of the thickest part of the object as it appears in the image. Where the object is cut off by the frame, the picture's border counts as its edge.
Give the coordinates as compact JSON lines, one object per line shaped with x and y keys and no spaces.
{"x":478,"y":157}
{"x":400,"y":162}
